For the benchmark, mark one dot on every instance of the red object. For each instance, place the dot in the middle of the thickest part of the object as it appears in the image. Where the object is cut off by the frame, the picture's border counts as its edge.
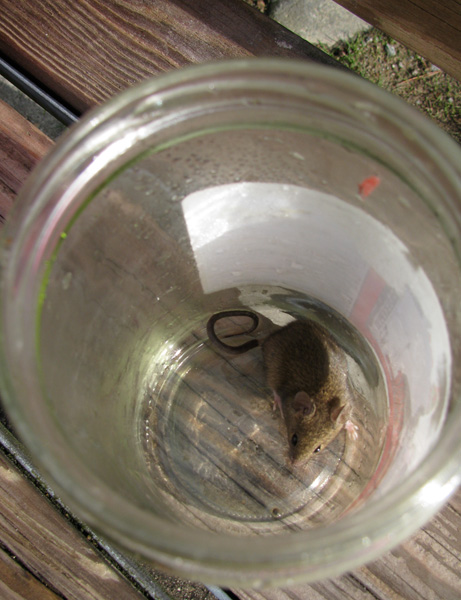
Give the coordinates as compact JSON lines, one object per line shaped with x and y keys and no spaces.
{"x":368,"y":185}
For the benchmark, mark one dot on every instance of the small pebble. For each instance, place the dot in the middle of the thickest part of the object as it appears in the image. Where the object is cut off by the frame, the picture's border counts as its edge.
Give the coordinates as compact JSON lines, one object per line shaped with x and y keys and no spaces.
{"x":390,"y":50}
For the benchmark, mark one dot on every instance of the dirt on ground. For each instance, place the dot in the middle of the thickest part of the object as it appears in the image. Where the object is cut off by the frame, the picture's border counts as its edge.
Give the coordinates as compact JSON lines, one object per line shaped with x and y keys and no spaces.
{"x":394,"y":67}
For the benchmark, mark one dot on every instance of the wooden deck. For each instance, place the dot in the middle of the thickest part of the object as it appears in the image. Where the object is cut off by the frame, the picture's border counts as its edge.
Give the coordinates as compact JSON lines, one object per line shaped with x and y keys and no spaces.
{"x":83,"y":52}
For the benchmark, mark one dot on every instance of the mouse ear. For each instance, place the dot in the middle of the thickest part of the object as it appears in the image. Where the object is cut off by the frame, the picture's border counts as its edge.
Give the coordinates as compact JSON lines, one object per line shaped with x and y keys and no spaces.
{"x":303,"y":404}
{"x":335,"y":408}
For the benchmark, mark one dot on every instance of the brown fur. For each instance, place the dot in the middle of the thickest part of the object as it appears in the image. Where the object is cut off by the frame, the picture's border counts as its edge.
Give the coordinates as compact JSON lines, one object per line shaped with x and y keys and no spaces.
{"x":307,"y":372}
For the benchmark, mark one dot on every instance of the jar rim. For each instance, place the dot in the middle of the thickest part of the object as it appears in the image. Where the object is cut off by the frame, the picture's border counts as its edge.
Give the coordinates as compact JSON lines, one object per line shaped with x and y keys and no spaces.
{"x":299,"y":556}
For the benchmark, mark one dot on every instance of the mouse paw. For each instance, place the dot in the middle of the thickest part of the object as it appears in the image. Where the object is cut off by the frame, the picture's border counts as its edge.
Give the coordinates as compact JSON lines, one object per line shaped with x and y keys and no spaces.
{"x":352,"y":430}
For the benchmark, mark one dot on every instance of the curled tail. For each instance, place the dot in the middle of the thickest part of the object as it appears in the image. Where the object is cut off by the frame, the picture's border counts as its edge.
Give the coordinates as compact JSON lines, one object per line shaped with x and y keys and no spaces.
{"x":232,"y":313}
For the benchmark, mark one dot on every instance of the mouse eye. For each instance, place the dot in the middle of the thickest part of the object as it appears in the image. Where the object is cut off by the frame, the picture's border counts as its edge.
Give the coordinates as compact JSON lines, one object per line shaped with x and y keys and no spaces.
{"x":317,"y":449}
{"x":294,"y":439}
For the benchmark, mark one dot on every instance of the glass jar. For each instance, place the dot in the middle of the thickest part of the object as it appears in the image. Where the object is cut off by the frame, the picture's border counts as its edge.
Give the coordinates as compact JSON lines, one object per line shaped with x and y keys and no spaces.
{"x":288,"y":189}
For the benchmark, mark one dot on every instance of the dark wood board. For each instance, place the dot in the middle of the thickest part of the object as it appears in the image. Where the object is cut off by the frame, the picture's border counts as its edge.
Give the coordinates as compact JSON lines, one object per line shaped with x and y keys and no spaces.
{"x":87,"y":50}
{"x":21,"y":147}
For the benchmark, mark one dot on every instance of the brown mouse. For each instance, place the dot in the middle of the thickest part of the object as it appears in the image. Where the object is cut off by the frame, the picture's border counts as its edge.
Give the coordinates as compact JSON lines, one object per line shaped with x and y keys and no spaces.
{"x":307,"y":372}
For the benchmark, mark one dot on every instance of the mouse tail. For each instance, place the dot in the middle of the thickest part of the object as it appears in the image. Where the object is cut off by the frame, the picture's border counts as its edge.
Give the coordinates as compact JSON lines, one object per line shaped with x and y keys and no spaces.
{"x":227,"y":347}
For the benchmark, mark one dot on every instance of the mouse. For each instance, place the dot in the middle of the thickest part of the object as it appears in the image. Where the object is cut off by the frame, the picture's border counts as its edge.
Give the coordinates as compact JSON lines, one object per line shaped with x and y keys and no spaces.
{"x":306,"y":370}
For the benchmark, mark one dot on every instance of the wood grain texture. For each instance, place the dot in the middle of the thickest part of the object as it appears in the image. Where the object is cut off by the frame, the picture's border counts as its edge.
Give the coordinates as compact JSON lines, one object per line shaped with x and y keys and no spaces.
{"x":21,"y":147}
{"x":16,"y":582}
{"x":47,"y":547}
{"x":85,"y":51}
{"x":425,"y":567}
{"x":433,"y":29}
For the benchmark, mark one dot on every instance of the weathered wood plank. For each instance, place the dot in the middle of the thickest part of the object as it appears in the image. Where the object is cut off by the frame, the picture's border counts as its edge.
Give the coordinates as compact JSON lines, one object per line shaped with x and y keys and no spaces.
{"x":17,"y":582}
{"x":48,"y":545}
{"x":22,"y":145}
{"x":87,"y":50}
{"x":433,"y":29}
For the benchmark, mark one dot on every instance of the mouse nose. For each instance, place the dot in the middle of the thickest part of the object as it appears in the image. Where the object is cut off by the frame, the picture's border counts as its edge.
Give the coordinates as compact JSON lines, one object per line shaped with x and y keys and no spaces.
{"x":298,"y":455}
